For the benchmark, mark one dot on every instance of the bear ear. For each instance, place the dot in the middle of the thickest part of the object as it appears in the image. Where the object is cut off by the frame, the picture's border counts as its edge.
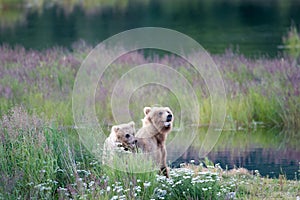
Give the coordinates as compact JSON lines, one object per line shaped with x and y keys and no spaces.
{"x":147,"y":110}
{"x":115,"y":129}
{"x":131,"y":124}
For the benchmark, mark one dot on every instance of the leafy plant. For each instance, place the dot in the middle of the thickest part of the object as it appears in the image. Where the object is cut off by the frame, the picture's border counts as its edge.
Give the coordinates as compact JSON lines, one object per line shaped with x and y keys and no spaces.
{"x":292,"y":42}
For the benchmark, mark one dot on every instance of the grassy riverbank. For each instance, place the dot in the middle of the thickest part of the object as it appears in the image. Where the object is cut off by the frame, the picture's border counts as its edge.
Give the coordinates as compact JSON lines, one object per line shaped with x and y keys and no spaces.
{"x":43,"y":162}
{"x":262,"y":90}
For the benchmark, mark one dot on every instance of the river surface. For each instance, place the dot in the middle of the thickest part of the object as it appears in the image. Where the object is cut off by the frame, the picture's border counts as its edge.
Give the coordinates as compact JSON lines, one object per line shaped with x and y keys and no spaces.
{"x":270,"y":151}
{"x":253,"y":27}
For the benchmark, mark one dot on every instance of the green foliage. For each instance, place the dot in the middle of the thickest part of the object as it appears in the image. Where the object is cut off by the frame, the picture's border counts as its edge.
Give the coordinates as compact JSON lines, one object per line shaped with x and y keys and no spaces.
{"x":292,"y":42}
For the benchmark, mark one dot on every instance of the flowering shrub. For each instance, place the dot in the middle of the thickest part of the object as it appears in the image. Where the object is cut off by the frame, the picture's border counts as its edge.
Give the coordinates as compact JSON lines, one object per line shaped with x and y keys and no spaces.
{"x":185,"y":183}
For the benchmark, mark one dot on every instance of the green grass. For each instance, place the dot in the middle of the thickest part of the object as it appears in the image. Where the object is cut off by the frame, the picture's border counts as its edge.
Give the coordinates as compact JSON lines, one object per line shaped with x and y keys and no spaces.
{"x":258,"y":90}
{"x":39,"y":161}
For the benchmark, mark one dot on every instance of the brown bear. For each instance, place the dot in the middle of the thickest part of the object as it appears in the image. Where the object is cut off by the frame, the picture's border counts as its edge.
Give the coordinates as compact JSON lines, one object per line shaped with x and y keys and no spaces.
{"x":157,"y":123}
{"x":121,"y":139}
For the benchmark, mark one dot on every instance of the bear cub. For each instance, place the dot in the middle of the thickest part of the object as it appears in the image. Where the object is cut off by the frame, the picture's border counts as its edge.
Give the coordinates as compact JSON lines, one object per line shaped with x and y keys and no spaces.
{"x":121,"y":139}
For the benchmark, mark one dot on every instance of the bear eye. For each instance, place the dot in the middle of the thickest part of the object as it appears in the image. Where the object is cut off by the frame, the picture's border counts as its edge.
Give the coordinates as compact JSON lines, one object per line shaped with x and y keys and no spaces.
{"x":127,"y":135}
{"x":160,"y":113}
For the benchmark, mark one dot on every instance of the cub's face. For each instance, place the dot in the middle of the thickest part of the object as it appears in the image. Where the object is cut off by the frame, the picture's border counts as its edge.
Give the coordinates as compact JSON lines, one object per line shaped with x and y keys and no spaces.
{"x":161,"y":117}
{"x":126,"y":134}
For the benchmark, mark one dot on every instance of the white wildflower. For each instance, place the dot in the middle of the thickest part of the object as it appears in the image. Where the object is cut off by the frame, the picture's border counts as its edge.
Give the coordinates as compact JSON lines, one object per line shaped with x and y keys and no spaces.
{"x":91,"y":183}
{"x":230,"y":195}
{"x":119,"y":189}
{"x":45,"y":188}
{"x":170,"y":181}
{"x":147,"y":184}
{"x":95,"y":162}
{"x":30,"y":183}
{"x":39,"y":185}
{"x":137,"y":188}
{"x":160,"y":178}
{"x":178,"y":182}
{"x":62,"y":189}
{"x":182,"y":164}
{"x":114,"y":198}
{"x":160,"y":193}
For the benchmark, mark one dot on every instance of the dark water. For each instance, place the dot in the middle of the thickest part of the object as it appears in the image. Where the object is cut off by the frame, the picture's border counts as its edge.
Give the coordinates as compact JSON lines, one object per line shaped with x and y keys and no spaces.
{"x":256,"y":27}
{"x":271,"y":152}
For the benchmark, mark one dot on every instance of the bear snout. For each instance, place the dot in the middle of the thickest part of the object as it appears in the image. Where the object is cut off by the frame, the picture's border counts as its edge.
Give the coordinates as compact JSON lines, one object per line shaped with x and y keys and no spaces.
{"x":169,"y":118}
